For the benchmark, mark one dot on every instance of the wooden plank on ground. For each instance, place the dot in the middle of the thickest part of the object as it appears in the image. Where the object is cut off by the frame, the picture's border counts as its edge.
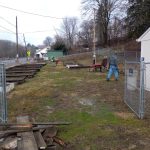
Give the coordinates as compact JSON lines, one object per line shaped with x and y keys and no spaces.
{"x":27,"y":66}
{"x":15,"y":79}
{"x":27,"y":141}
{"x":39,"y":139}
{"x":20,"y":74}
{"x":16,"y":75}
{"x":23,"y":69}
{"x":34,"y":124}
{"x":35,"y":64}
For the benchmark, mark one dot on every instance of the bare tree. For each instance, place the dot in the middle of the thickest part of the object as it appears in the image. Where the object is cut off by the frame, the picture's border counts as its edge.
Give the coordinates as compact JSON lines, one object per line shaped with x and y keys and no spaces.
{"x":85,"y":35}
{"x":117,"y":31}
{"x":47,"y":41}
{"x":106,"y":10}
{"x":59,"y":44}
{"x":69,"y":29}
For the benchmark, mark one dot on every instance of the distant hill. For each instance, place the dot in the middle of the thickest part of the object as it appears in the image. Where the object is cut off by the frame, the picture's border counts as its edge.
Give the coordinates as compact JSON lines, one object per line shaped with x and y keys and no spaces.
{"x":8,"y":49}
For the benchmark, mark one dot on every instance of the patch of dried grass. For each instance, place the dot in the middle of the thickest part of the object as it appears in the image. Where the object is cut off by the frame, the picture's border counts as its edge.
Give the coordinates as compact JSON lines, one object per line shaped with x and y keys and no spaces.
{"x":125,"y":115}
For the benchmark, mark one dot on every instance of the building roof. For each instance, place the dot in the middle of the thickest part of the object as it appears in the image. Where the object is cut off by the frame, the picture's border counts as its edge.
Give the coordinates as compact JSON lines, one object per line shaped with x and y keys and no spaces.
{"x":145,"y":36}
{"x":44,"y":50}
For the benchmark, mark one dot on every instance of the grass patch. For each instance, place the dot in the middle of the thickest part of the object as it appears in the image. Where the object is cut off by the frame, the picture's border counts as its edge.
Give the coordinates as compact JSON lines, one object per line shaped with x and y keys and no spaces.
{"x":84,"y":123}
{"x":54,"y":94}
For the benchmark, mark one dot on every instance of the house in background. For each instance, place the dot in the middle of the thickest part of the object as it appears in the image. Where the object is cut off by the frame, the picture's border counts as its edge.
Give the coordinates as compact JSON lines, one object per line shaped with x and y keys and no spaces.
{"x":40,"y":53}
{"x":145,"y":54}
{"x":145,"y":45}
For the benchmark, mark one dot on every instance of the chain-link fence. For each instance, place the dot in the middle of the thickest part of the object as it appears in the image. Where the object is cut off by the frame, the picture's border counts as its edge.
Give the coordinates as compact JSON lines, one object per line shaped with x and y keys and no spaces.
{"x":132,"y":55}
{"x":137,"y":87}
{"x":12,"y":62}
{"x":3,"y":102}
{"x":147,"y":89}
{"x":100,"y":53}
{"x":132,"y":86}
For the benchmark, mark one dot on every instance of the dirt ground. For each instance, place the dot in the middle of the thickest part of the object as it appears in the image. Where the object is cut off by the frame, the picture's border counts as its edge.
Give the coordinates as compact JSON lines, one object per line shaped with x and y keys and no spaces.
{"x":100,"y":119}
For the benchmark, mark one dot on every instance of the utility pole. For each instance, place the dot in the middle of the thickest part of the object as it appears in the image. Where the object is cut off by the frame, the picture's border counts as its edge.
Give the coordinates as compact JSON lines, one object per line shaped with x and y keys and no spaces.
{"x":94,"y":41}
{"x":25,"y":43}
{"x":55,"y":31}
{"x":17,"y":56}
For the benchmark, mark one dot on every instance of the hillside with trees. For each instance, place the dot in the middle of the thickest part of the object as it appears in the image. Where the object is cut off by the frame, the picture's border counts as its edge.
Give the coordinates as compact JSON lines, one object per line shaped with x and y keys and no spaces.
{"x":8,"y":49}
{"x":117,"y":23}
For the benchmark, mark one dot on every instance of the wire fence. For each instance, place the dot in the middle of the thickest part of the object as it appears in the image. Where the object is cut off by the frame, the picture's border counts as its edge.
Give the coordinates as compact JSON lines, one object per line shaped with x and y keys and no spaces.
{"x":122,"y":55}
{"x":137,"y":87}
{"x":12,"y":62}
{"x":132,"y":86}
{"x":3,"y":101}
{"x":147,"y":89}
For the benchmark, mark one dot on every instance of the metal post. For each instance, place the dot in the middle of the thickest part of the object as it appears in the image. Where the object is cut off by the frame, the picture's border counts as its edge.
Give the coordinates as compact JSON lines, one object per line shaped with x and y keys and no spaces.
{"x":17,"y":56}
{"x":125,"y":84}
{"x":25,"y":45}
{"x":25,"y":42}
{"x":3,"y":101}
{"x":94,"y":41}
{"x":141,"y":107}
{"x":136,"y":56}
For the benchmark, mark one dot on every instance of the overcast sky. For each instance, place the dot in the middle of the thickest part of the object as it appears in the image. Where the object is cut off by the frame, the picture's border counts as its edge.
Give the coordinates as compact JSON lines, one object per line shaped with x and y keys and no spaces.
{"x":30,"y":24}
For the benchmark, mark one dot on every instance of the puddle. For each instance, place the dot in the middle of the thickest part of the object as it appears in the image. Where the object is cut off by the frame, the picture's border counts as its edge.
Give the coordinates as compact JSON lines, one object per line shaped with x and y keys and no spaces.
{"x":86,"y":102}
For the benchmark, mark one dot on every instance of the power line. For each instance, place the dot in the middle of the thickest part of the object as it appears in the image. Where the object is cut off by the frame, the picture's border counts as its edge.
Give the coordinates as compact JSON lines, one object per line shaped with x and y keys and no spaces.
{"x":11,"y":32}
{"x":7,"y":29}
{"x":7,"y":21}
{"x":4,"y":31}
{"x":35,"y":32}
{"x":35,"y":14}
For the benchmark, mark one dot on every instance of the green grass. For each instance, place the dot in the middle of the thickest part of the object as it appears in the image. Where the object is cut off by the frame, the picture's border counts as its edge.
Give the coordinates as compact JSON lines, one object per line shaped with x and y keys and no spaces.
{"x":54,"y":95}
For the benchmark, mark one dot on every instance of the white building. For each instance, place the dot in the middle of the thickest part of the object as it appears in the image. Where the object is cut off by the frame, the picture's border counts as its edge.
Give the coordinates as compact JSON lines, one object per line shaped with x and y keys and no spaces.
{"x":145,"y":53}
{"x":40,"y":53}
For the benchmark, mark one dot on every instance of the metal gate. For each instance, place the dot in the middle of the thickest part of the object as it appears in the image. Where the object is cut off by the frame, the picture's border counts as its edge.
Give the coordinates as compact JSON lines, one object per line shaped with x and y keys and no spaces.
{"x":3,"y":102}
{"x":134,"y":86}
{"x":147,"y":90}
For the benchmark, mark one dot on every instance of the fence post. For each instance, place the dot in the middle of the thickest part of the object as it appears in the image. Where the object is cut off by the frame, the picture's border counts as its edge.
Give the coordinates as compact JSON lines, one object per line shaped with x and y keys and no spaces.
{"x":125,"y":84}
{"x":142,"y":72}
{"x":3,"y":106}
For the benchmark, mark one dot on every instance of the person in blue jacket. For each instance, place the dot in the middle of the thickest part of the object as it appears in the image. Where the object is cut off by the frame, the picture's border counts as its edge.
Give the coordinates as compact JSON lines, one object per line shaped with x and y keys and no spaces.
{"x":113,"y":67}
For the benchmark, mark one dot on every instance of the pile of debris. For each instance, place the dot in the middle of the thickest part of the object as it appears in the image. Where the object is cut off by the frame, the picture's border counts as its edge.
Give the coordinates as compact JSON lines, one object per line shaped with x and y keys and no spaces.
{"x":77,"y":66}
{"x":24,"y":135}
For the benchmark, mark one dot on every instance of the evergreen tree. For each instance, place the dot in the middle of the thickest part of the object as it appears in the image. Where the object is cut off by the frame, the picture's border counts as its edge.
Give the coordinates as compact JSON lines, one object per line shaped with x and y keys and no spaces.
{"x":138,"y":17}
